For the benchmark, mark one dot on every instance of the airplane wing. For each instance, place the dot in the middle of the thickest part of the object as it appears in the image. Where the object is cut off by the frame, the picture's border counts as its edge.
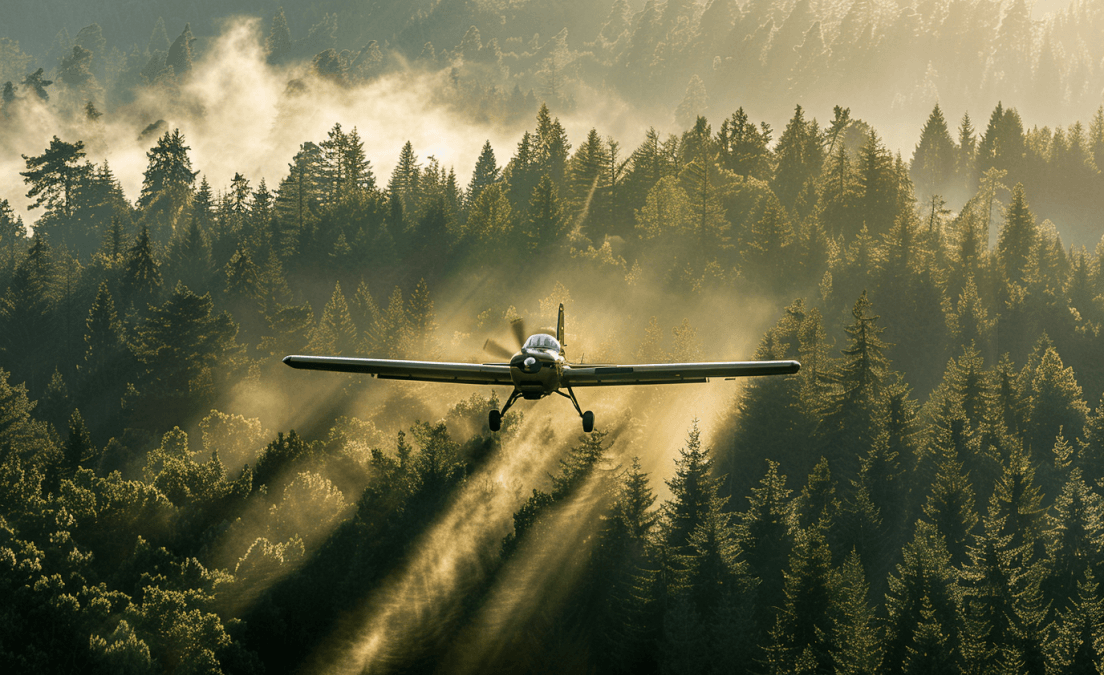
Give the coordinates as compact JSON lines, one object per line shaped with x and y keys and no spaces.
{"x":671,"y":373}
{"x":424,"y":371}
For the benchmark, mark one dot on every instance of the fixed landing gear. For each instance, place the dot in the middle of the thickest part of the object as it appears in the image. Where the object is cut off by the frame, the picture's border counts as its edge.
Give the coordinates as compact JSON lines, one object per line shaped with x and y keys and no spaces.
{"x":588,"y":417}
{"x":494,"y":417}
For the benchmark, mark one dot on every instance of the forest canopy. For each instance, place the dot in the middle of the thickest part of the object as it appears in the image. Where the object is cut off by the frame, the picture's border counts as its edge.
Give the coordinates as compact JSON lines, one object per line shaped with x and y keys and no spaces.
{"x":923,"y":496}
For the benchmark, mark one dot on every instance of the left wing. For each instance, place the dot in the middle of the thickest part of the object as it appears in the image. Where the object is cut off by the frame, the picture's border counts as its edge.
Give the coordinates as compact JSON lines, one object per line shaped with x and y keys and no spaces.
{"x":671,"y":373}
{"x":393,"y":369}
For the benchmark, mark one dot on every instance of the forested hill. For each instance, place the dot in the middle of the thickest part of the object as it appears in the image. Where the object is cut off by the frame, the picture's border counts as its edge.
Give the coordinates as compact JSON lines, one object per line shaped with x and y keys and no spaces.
{"x":924,"y":496}
{"x":890,"y":60}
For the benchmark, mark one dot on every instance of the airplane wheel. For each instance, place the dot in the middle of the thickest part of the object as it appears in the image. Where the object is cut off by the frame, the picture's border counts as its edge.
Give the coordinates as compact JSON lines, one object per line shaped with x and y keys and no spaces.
{"x":494,"y":420}
{"x":588,"y":422}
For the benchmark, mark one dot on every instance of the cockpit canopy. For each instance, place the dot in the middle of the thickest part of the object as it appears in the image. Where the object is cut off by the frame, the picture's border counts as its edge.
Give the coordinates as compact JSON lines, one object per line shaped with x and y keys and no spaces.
{"x":542,"y":341}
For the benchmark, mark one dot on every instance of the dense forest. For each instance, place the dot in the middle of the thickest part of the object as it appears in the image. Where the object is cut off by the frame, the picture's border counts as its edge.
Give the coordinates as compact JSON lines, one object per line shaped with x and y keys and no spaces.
{"x":925,"y":496}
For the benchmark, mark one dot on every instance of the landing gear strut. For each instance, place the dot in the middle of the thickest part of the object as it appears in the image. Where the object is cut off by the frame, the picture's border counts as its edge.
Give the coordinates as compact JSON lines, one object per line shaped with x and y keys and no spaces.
{"x":494,"y":418}
{"x":588,"y":416}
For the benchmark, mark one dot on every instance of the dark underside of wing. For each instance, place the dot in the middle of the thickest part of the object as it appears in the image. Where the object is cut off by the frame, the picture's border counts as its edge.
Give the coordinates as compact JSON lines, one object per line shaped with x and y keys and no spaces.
{"x":671,"y":373}
{"x":423,"y":371}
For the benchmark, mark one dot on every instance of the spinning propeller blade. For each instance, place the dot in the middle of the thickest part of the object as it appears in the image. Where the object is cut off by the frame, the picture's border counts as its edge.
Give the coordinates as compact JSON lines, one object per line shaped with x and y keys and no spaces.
{"x":495,"y":349}
{"x":518,"y":326}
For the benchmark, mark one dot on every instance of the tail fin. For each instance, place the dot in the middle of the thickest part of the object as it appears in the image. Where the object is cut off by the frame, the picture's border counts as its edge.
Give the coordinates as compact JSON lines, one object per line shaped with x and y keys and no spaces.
{"x":560,"y":328}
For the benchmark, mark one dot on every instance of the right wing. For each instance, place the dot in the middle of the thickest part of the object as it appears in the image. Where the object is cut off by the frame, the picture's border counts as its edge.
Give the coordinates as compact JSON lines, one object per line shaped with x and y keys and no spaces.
{"x":423,"y":371}
{"x":672,"y":373}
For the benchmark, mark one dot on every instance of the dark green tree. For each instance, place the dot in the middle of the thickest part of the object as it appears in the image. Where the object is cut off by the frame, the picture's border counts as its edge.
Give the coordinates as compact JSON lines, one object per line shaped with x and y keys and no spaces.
{"x":55,"y":175}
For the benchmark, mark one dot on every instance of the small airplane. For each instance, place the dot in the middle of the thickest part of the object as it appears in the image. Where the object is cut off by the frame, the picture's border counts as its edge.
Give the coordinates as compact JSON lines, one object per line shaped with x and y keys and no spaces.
{"x":539,"y":368}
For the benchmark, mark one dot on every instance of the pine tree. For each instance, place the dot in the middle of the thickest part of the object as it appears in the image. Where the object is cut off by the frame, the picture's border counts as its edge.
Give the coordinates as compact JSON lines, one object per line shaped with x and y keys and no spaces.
{"x":169,"y":174}
{"x":840,"y":192}
{"x":27,"y":311}
{"x":965,"y":155}
{"x":78,"y":447}
{"x":765,"y":537}
{"x":551,"y":146}
{"x":12,"y":236}
{"x":803,"y":630}
{"x":486,"y":172}
{"x":1074,"y":542}
{"x":856,"y":639}
{"x":178,"y":346}
{"x":849,"y":418}
{"x":1017,"y":239}
{"x":104,"y":336}
{"x":179,"y":56}
{"x":743,"y":147}
{"x":421,"y":343}
{"x":142,"y":277}
{"x":877,"y":208}
{"x":800,"y":158}
{"x":55,"y":175}
{"x":692,"y":489}
{"x":391,"y":327}
{"x":933,"y":162}
{"x":335,"y":334}
{"x":278,"y":44}
{"x":1077,"y":646}
{"x":921,"y":593}
{"x":545,"y":218}
{"x":243,"y":279}
{"x":1054,"y":403}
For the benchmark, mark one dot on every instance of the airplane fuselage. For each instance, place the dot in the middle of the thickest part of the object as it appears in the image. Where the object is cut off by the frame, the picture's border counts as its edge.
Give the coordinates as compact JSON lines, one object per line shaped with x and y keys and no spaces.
{"x":537,"y":372}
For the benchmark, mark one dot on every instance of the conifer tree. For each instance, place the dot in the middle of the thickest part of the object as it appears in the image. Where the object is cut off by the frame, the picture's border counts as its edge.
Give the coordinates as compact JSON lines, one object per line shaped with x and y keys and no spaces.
{"x":803,"y":631}
{"x":243,"y":279}
{"x":1054,"y":403}
{"x":742,"y":146}
{"x":179,"y":56}
{"x":856,"y":638}
{"x":1077,"y":647}
{"x":55,"y":175}
{"x":545,"y":218}
{"x":1017,"y":239}
{"x":191,"y":256}
{"x":921,"y":593}
{"x":78,"y":447}
{"x":800,"y":158}
{"x":335,"y":333}
{"x":169,"y":175}
{"x":486,"y":172}
{"x":104,"y":336}
{"x":692,"y":489}
{"x":840,"y":191}
{"x":278,"y":43}
{"x":391,"y":327}
{"x":1074,"y":544}
{"x":877,"y":208}
{"x":178,"y":345}
{"x":421,"y":343}
{"x":933,"y":162}
{"x":849,"y":419}
{"x":765,"y":536}
{"x":142,"y":277}
{"x":12,"y":236}
{"x":27,"y":312}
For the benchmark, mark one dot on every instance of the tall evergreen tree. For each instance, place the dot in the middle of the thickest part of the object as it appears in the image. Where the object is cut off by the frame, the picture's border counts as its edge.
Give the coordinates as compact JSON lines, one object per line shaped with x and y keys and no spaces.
{"x":933,"y":162}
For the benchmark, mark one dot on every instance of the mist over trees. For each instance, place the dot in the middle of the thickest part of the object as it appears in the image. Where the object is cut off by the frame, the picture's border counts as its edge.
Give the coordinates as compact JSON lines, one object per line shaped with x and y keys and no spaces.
{"x":924,"y":496}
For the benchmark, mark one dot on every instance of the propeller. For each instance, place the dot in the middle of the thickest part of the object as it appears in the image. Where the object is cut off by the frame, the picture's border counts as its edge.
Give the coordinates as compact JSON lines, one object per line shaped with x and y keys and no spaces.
{"x":518,"y":326}
{"x":495,"y":348}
